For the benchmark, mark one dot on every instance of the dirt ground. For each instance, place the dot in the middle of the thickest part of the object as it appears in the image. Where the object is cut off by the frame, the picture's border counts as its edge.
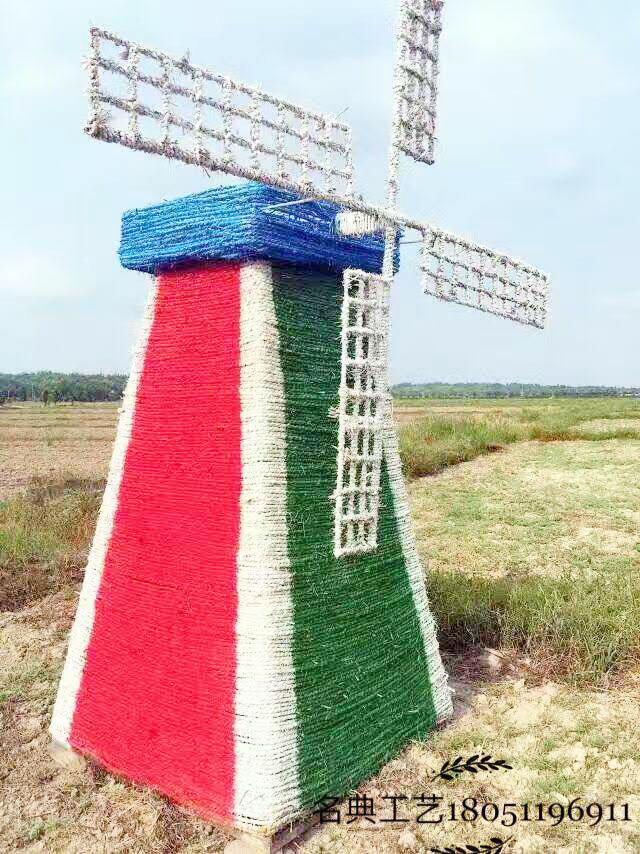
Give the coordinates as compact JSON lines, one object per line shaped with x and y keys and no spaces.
{"x":54,"y":442}
{"x":563,"y":743}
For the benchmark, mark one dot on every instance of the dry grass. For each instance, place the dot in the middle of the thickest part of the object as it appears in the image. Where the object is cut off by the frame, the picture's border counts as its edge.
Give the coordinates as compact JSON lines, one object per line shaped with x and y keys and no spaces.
{"x":54,"y":443}
{"x":605,"y":425}
{"x":527,"y":517}
{"x":562,"y":744}
{"x":44,"y":536}
{"x":538,"y":548}
{"x":51,"y":486}
{"x":45,"y":808}
{"x":434,"y":436}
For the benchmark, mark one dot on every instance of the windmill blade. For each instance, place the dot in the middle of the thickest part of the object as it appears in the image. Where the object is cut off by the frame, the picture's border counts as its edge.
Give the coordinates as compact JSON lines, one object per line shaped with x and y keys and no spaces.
{"x":456,"y":270}
{"x":153,"y":102}
{"x":416,"y":78}
{"x":364,"y":411}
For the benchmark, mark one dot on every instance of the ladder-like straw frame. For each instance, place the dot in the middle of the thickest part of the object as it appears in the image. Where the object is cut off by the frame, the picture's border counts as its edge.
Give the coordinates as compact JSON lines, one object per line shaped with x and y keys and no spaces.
{"x":283,"y":144}
{"x":310,"y":153}
{"x":416,"y":81}
{"x":364,"y":411}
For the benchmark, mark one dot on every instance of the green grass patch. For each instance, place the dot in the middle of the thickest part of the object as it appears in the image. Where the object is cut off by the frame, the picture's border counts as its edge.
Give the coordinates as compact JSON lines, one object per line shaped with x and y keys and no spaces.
{"x":538,"y":552}
{"x":441,"y":438}
{"x":429,"y":445}
{"x":16,"y":685}
{"x":584,"y":629}
{"x":44,"y":536}
{"x":39,"y":828}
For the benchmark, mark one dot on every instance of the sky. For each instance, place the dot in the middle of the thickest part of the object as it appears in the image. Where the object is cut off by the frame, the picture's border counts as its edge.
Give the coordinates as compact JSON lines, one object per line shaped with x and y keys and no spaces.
{"x":537,"y":155}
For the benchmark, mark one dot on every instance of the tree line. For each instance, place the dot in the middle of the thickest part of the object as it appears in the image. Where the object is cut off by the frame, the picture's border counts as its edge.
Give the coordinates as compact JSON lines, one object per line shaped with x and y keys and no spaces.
{"x":97,"y":387}
{"x":61,"y":387}
{"x":443,"y":390}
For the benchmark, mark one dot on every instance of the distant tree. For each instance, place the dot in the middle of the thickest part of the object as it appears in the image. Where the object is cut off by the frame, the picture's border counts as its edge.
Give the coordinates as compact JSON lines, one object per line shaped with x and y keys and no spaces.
{"x":45,"y":397}
{"x":506,"y":390}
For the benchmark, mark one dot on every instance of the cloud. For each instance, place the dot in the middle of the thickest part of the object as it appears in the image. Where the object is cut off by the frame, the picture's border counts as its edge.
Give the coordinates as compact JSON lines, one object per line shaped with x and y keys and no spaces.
{"x":621,"y":301}
{"x":44,"y":77}
{"x":535,"y":155}
{"x":29,"y":275}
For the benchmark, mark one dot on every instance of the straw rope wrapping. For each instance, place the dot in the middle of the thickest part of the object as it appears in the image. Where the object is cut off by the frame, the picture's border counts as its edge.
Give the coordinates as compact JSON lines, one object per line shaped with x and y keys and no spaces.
{"x":83,"y":624}
{"x":416,"y":86}
{"x":266,"y":792}
{"x":456,"y":270}
{"x":212,"y":121}
{"x":311,"y":153}
{"x":416,"y":574}
{"x":364,"y":410}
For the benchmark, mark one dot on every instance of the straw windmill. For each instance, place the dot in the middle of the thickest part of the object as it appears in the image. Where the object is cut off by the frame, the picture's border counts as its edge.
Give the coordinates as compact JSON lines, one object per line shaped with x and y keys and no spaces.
{"x":253,"y":630}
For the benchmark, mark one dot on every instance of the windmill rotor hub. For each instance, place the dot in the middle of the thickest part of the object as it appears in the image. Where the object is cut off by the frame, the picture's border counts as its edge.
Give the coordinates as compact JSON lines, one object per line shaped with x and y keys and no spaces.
{"x":358,"y":224}
{"x":209,"y":120}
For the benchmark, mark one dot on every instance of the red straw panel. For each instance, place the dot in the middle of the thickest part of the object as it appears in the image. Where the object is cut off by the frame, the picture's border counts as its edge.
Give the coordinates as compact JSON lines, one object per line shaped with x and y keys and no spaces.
{"x":156,"y":701}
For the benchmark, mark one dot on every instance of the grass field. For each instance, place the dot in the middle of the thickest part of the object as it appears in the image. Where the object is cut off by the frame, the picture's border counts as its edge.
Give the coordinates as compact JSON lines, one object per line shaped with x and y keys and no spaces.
{"x":528,"y":514}
{"x":437,"y":434}
{"x":538,"y":534}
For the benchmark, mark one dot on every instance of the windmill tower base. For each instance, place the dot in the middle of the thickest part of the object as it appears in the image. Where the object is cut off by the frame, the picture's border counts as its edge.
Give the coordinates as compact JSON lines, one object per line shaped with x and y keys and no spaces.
{"x":221,"y":654}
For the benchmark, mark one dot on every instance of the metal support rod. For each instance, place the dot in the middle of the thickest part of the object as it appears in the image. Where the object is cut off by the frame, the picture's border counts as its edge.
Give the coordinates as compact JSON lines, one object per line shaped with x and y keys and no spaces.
{"x":288,"y":204}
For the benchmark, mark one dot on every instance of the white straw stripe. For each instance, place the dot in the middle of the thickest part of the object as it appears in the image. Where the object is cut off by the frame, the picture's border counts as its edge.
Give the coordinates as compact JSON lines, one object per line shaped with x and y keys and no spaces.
{"x":437,"y":675}
{"x":82,"y":627}
{"x":266,"y":778}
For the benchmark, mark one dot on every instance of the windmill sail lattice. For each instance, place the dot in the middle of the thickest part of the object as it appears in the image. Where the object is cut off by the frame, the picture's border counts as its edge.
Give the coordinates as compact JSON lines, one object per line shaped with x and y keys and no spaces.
{"x":254,"y":598}
{"x":173,"y":108}
{"x":417,"y":77}
{"x":151,"y":101}
{"x":457,"y":270}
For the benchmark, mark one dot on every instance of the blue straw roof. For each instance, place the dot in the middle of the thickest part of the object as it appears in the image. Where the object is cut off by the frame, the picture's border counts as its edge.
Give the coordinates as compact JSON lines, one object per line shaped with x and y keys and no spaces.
{"x":239,"y":223}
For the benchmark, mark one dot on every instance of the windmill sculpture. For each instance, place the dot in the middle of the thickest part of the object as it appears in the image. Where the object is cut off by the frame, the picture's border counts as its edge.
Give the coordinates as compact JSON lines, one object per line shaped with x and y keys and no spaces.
{"x":253,"y":631}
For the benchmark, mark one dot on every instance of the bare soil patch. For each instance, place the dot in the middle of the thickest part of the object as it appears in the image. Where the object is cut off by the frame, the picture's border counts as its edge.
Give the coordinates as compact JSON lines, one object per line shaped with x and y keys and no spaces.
{"x":44,"y":808}
{"x":63,"y":459}
{"x":54,"y":443}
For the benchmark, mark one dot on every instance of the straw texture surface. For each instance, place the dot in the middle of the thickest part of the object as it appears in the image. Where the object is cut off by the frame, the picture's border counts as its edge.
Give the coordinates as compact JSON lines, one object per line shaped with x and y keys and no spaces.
{"x":241,"y":223}
{"x":362,"y":672}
